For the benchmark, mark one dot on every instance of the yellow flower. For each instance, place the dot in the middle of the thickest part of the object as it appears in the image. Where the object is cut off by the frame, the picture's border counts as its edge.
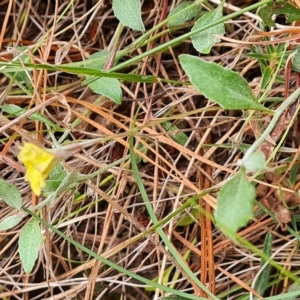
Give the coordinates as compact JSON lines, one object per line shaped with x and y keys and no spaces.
{"x":39,"y":163}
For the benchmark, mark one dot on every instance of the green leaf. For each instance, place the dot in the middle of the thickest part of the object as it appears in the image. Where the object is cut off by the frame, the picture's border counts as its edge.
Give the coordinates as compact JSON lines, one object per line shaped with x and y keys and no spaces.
{"x":293,"y":288}
{"x":260,"y":56}
{"x":18,"y":111}
{"x":59,"y":183}
{"x":263,"y":279}
{"x":204,"y":40}
{"x":278,"y":8}
{"x":165,"y":279}
{"x":69,"y":181}
{"x":128,"y":12}
{"x":56,"y":177}
{"x":267,"y":75}
{"x":29,"y":244}
{"x":10,"y":195}
{"x":22,"y":76}
{"x":97,"y":60}
{"x":179,"y":137}
{"x":109,"y":87}
{"x":255,"y":162}
{"x":296,"y":59}
{"x":187,"y":219}
{"x":235,"y":204}
{"x":293,"y":173}
{"x":10,"y":222}
{"x":228,"y":88}
{"x":184,"y":11}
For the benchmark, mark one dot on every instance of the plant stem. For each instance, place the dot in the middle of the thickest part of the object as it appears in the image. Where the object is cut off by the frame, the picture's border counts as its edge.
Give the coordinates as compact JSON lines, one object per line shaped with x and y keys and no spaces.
{"x":185,"y":36}
{"x":277,"y":113}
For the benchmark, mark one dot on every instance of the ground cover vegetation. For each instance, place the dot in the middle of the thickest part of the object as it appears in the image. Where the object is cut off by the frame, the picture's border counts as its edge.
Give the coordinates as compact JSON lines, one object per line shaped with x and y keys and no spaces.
{"x":149,"y":149}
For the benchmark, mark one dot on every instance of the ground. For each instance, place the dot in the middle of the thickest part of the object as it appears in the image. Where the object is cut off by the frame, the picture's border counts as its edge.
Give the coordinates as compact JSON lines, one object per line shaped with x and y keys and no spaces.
{"x":152,"y":153}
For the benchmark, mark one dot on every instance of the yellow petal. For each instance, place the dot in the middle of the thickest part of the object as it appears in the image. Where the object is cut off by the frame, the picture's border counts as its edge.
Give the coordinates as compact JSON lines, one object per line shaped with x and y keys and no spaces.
{"x":39,"y":163}
{"x":37,"y":182}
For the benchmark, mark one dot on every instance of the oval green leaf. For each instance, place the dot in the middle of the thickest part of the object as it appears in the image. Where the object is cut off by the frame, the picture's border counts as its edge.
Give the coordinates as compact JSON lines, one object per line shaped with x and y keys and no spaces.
{"x":29,"y":244}
{"x":204,"y":40}
{"x":10,"y":195}
{"x":183,"y":12}
{"x":109,"y":87}
{"x":221,"y":85}
{"x":296,"y":58}
{"x":129,"y":13}
{"x":235,"y":204}
{"x":10,"y":222}
{"x":255,"y":162}
{"x":179,"y":137}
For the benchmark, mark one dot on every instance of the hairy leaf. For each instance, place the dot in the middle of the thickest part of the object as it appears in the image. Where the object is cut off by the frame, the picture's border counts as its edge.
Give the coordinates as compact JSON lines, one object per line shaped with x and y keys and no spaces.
{"x":128,"y":13}
{"x":204,"y":40}
{"x":10,"y":195}
{"x":184,"y":11}
{"x":278,"y":8}
{"x":109,"y":87}
{"x":10,"y":222}
{"x":235,"y":204}
{"x":29,"y":244}
{"x":226,"y":87}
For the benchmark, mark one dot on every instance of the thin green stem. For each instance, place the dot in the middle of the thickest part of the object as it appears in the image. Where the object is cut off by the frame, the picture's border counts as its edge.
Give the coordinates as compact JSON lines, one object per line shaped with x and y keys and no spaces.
{"x":186,"y":36}
{"x":113,"y":265}
{"x":181,"y":265}
{"x":277,"y":113}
